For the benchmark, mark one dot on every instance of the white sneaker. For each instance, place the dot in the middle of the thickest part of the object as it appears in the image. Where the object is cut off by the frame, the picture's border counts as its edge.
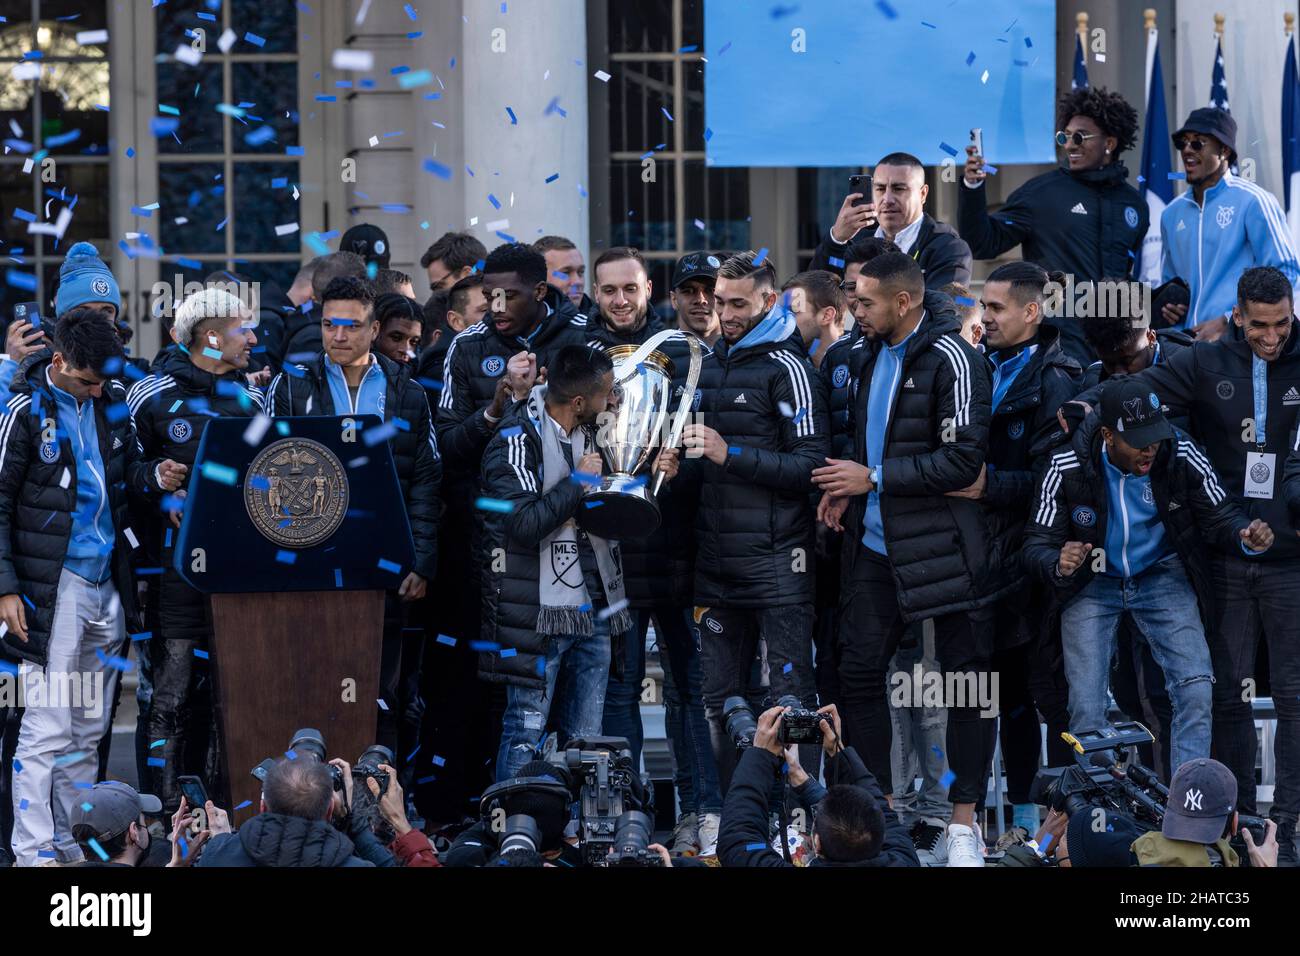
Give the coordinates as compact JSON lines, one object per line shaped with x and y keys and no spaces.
{"x":709,"y":824}
{"x":930,"y":838}
{"x":965,"y":845}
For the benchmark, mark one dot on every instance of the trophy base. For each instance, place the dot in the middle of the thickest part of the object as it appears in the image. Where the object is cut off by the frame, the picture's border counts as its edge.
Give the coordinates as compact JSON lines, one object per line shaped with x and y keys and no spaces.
{"x":621,"y":506}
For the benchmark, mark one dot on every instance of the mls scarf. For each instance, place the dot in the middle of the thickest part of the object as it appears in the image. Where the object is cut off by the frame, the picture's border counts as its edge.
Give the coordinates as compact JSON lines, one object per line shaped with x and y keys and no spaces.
{"x":565,"y":605}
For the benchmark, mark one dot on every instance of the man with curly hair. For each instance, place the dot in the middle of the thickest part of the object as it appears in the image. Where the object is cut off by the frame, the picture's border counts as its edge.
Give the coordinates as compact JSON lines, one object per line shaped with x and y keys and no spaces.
{"x":1083,"y":218}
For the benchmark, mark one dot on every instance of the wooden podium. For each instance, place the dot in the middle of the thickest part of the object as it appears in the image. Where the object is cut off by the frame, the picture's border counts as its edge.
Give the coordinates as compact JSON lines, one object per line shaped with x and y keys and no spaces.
{"x":296,"y":537}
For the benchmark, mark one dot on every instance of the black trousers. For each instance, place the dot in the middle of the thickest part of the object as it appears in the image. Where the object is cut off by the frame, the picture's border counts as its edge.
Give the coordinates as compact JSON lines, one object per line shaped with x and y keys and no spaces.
{"x":871,"y":626}
{"x":399,"y":684}
{"x":1256,"y":600}
{"x":729,"y":638}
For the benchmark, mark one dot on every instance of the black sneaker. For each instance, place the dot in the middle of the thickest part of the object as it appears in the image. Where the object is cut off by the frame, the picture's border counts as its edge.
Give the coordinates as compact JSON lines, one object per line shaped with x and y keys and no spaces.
{"x":1286,"y":852}
{"x":930,"y":836}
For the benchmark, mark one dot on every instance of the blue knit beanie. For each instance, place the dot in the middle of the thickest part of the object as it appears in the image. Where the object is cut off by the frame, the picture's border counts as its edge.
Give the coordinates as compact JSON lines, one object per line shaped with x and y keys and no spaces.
{"x":83,"y":278}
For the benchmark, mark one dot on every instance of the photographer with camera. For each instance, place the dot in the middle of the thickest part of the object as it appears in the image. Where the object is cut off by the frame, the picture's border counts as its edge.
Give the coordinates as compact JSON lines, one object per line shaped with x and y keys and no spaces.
{"x":530,"y":820}
{"x":1200,"y":818}
{"x":850,"y":827}
{"x":295,"y":827}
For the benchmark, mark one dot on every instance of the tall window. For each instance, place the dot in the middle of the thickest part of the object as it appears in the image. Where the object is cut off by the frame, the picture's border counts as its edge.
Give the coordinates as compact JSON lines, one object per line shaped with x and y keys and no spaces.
{"x":54,"y":113}
{"x":656,"y":111}
{"x":228,"y":172}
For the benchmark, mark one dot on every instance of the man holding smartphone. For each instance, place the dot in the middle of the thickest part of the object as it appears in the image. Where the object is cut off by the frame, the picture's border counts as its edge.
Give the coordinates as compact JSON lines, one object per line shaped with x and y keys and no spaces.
{"x":896,"y":206}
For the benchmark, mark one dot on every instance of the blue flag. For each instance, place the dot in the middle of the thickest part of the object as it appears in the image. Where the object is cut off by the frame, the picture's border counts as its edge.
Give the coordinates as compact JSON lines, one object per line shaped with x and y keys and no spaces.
{"x":1080,"y":80}
{"x":1156,"y":187}
{"x":1218,"y":81}
{"x":1290,"y":145}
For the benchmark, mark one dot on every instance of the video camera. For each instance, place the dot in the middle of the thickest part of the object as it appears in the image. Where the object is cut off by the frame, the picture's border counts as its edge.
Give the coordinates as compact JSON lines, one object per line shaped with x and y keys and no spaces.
{"x":615,"y":804}
{"x":798,"y":725}
{"x":1124,"y":786}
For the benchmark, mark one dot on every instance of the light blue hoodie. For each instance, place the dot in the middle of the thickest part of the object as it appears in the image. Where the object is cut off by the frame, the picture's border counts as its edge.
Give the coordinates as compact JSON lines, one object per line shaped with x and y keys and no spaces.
{"x":1240,"y":226}
{"x":90,"y":544}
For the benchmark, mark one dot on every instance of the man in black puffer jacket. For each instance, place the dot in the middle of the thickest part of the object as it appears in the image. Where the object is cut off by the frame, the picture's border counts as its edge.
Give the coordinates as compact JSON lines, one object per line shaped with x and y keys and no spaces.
{"x":853,"y":826}
{"x":202,"y":380}
{"x":347,"y":378}
{"x":1031,"y":378}
{"x":68,"y":460}
{"x":920,"y":421}
{"x":1082,"y":219}
{"x":552,"y":593}
{"x":294,"y":828}
{"x":768,"y":428}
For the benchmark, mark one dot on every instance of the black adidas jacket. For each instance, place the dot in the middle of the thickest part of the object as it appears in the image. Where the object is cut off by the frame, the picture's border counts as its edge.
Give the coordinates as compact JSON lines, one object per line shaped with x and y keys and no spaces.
{"x":1209,"y":385}
{"x":1088,"y":224}
{"x":512,"y":471}
{"x":304,"y":390}
{"x":1071,"y":505}
{"x":936,"y":442}
{"x":754,"y":526}
{"x":299,"y":340}
{"x":170,"y":409}
{"x":837,"y":373}
{"x":38,"y":496}
{"x":941,"y":253}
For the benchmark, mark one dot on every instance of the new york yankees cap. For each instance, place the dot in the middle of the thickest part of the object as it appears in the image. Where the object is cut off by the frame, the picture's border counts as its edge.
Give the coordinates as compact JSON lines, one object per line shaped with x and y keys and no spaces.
{"x":1202,"y":796}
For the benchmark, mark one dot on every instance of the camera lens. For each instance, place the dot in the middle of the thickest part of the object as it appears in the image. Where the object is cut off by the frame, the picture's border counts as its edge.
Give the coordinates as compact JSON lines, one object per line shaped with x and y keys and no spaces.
{"x":740,"y":722}
{"x":789,"y":700}
{"x":631,"y":837}
{"x":521,"y":833}
{"x":308,"y":741}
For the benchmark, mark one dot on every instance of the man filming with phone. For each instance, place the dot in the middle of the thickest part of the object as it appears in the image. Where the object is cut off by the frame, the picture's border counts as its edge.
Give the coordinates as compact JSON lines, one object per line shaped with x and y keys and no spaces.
{"x":851,"y":826}
{"x":892,"y":200}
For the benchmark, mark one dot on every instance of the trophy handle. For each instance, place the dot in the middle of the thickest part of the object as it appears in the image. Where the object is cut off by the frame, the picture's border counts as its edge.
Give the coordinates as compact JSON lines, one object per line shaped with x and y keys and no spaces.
{"x":688,"y":398}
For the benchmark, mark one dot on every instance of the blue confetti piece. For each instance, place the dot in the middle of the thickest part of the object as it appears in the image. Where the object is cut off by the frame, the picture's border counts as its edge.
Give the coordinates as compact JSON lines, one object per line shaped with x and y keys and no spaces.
{"x":444,"y":639}
{"x":1177,"y":175}
{"x":887,"y":10}
{"x":99,"y":850}
{"x":970,"y":58}
{"x":246,"y":803}
{"x":200,"y":654}
{"x":946,"y":780}
{"x":494,"y":504}
{"x":664,"y":110}
{"x":286,"y":557}
{"x":926,"y":23}
{"x":594,"y":504}
{"x":733,"y":449}
{"x":788,"y":668}
{"x":755,"y":847}
{"x":389,"y":566}
{"x":410,"y":12}
{"x":761,"y":257}
{"x":24,"y":215}
{"x":1047,"y":841}
{"x":496,"y":203}
{"x":222,"y":474}
{"x":437,"y":169}
{"x":338,"y":577}
{"x":837,"y":263}
{"x":990,"y":169}
{"x":508,"y":652}
{"x":484,"y":646}
{"x":158,"y":743}
{"x":514,"y":120}
{"x":934,"y":748}
{"x":948,"y":149}
{"x":163,"y":126}
{"x":142,"y":636}
{"x":291,"y":754}
{"x":20,"y":280}
{"x":439,"y":761}
{"x":18,"y":765}
{"x":254,"y":39}
{"x":156,"y":762}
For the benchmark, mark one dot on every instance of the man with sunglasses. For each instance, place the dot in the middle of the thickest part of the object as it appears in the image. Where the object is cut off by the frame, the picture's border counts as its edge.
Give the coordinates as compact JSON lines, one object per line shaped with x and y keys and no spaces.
{"x":1082,"y":219}
{"x":1219,"y":227}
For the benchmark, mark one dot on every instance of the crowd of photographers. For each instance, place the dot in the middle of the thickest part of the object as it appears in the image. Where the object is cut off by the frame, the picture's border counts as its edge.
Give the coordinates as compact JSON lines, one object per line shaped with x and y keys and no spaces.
{"x":885,"y":479}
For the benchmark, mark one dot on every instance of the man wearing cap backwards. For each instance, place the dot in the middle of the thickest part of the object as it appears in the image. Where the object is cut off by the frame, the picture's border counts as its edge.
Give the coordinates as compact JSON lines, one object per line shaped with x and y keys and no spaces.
{"x":1219,"y":227}
{"x":1118,"y":526}
{"x":200,"y":380}
{"x":692,"y":295}
{"x":1200,"y":818}
{"x":369,"y":242}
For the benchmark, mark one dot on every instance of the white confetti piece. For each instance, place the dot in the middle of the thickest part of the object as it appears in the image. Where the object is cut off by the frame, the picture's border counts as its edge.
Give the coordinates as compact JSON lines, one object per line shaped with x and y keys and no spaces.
{"x":187,"y":54}
{"x":88,"y":37}
{"x":131,"y":538}
{"x":227,"y":40}
{"x":26,"y":71}
{"x":66,"y":479}
{"x":28,"y":165}
{"x":602,"y":76}
{"x":985,"y":77}
{"x":374,"y":141}
{"x":257,"y":428}
{"x":498,"y":225}
{"x":287,"y":229}
{"x":360,"y":61}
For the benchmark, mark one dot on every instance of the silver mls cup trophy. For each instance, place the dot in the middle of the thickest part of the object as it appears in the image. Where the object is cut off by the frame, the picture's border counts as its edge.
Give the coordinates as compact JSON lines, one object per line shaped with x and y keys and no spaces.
{"x":622,"y":504}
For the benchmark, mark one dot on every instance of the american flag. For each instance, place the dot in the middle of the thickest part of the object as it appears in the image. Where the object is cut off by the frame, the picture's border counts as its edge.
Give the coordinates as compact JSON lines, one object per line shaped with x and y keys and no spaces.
{"x":1218,"y":82}
{"x":1080,"y":79}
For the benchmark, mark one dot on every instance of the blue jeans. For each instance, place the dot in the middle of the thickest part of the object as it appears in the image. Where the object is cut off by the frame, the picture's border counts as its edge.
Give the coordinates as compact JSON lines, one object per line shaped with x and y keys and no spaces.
{"x":577,"y":668}
{"x":1163,"y":607}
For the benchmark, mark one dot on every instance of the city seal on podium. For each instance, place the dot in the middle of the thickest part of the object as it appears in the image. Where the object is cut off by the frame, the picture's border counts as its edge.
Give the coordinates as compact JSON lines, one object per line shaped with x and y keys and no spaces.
{"x":296,"y":493}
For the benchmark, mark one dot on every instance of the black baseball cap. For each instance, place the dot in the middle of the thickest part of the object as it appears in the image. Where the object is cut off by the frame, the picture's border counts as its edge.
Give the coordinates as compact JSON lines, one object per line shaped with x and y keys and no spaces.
{"x":1133,"y":412}
{"x":369,"y":242}
{"x":1202,"y":795}
{"x":696,"y":265}
{"x":109,"y":808}
{"x":1212,"y":122}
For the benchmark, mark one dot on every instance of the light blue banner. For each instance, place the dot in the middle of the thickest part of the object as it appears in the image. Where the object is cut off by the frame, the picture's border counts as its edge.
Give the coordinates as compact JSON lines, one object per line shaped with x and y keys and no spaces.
{"x":877,"y":76}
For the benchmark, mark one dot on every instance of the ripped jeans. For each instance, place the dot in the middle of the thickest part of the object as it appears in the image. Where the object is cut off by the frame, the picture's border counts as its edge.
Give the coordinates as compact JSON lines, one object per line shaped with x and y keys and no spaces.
{"x":1163,"y":607}
{"x":577,"y":670}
